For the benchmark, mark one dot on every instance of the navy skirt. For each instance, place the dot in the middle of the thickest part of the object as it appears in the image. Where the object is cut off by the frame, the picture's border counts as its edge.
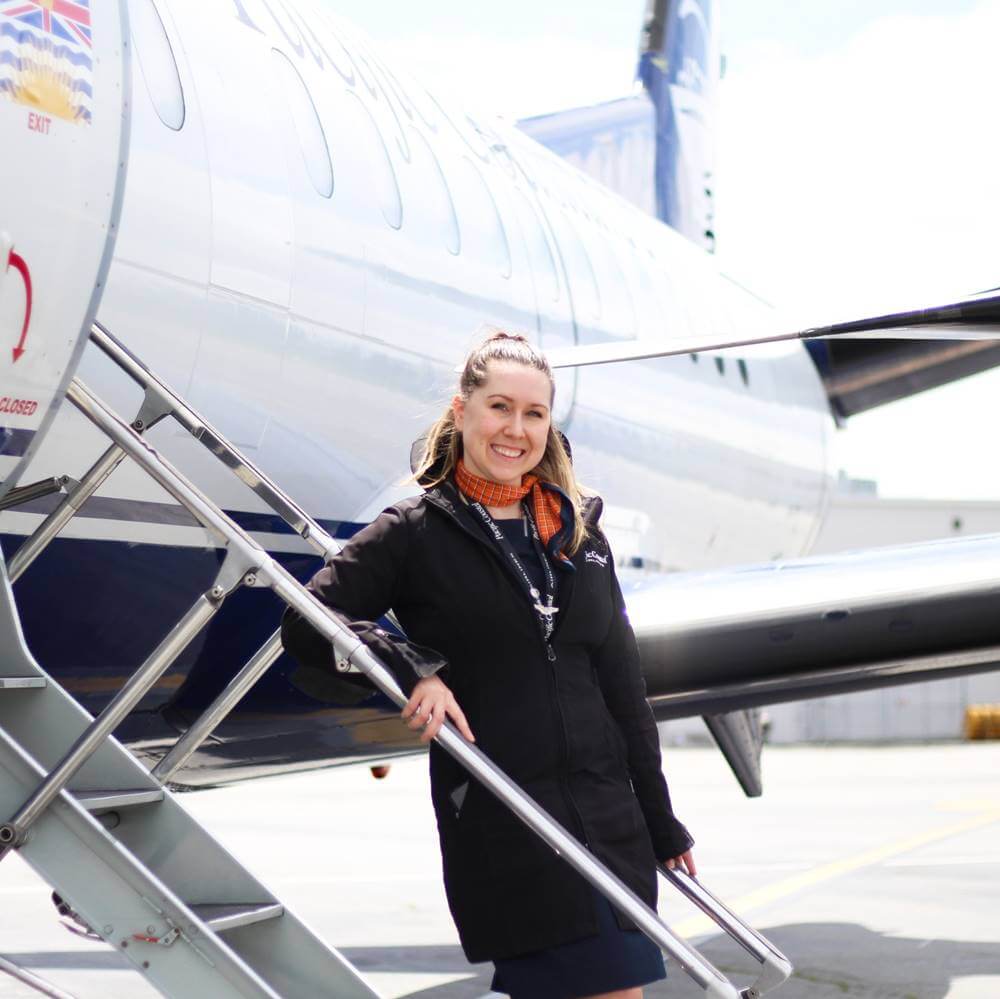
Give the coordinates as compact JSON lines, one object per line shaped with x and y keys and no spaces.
{"x":614,"y":959}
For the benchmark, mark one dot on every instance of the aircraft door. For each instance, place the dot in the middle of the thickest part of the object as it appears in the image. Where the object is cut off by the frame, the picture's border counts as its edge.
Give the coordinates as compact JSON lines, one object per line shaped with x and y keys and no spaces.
{"x":556,"y":325}
{"x":64,"y":134}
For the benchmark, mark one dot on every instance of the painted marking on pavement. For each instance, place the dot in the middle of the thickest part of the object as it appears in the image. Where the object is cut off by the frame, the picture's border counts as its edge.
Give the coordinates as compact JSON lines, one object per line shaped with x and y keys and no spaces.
{"x":698,"y":925}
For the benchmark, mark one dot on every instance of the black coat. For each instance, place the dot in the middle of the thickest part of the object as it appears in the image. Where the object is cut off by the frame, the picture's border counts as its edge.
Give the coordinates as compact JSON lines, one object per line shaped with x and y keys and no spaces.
{"x":576,"y":733}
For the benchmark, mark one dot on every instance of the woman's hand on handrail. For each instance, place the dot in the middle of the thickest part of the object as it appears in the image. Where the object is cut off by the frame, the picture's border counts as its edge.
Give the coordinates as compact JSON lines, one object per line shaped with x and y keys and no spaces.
{"x":685,"y":862}
{"x":429,"y":704}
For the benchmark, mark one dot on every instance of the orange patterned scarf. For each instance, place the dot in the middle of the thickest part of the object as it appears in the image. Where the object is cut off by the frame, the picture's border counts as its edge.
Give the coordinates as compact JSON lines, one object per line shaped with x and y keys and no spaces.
{"x":552,"y":509}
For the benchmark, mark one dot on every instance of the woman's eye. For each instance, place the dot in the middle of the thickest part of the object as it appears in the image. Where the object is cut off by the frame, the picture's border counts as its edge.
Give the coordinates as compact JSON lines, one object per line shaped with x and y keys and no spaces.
{"x":499,"y":405}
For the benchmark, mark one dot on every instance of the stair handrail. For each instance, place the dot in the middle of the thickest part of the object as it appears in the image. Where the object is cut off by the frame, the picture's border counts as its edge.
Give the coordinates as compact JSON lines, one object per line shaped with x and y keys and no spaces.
{"x":202,"y":430}
{"x":775,"y":967}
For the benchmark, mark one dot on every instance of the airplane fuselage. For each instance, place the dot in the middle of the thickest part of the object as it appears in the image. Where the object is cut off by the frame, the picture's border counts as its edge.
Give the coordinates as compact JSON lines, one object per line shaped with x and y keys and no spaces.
{"x":308,"y":245}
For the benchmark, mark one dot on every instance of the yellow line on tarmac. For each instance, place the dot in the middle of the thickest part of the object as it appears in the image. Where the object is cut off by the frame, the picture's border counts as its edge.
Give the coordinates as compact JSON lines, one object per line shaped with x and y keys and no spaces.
{"x":697,"y":925}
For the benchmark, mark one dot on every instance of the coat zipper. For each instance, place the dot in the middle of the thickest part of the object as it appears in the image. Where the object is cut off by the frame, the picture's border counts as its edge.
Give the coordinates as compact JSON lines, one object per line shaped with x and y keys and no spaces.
{"x":567,"y":791}
{"x":550,"y":655}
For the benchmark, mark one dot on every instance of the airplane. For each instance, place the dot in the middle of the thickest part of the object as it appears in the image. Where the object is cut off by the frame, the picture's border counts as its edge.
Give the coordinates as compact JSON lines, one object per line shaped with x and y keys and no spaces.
{"x":303,"y":242}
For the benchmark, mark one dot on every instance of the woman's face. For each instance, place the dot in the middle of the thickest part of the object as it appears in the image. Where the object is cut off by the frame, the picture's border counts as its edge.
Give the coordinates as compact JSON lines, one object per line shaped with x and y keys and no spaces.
{"x":505,"y":422}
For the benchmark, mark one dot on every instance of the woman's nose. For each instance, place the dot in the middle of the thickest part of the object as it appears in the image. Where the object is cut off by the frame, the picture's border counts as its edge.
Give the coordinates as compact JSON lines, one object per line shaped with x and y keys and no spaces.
{"x":515,"y":425}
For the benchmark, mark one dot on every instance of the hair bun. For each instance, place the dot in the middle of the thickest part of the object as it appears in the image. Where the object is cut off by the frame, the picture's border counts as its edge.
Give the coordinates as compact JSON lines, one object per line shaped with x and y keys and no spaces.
{"x":504,"y":335}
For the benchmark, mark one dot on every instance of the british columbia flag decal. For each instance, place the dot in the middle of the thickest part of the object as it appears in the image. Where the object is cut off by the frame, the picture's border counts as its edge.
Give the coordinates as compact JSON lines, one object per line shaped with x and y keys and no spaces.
{"x":45,"y":56}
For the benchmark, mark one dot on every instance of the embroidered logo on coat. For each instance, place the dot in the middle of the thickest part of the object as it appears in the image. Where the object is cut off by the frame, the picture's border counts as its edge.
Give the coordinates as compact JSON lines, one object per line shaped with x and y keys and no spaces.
{"x":595,"y":558}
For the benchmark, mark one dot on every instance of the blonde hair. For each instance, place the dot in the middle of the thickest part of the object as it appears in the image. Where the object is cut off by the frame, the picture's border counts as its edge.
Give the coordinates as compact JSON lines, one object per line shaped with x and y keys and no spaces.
{"x":443,"y":445}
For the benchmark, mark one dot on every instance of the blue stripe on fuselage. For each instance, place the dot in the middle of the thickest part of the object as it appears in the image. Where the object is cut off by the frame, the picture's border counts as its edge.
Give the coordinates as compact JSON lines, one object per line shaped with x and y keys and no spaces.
{"x":115,"y":601}
{"x":145,"y":512}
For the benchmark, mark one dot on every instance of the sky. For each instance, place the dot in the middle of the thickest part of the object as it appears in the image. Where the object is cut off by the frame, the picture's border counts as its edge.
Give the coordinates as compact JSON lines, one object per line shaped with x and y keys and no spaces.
{"x":858,"y":166}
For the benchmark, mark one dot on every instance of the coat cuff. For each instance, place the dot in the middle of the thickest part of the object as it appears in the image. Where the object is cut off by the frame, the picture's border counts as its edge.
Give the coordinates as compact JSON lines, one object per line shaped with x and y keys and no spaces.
{"x":317,"y":674}
{"x":671,"y":840}
{"x":408,"y":662}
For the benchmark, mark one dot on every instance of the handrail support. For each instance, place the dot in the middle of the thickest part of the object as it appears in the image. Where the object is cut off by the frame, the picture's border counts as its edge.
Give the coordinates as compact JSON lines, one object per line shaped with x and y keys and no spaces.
{"x":235,"y":571}
{"x":205,"y":724}
{"x":154,"y":407}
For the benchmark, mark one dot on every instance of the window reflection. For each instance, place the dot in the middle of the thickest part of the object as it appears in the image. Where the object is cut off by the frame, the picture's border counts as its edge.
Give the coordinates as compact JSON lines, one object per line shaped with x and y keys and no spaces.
{"x":436,"y":212}
{"x":312,"y":141}
{"x":369,"y":147}
{"x":157,"y":63}
{"x":580,"y":270}
{"x":483,"y":234}
{"x":543,"y":263}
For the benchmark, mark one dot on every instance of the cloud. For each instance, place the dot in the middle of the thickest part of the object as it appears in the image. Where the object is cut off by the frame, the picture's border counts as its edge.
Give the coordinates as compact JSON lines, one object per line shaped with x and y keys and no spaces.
{"x":515,"y":77}
{"x":869,"y":178}
{"x":870,"y":173}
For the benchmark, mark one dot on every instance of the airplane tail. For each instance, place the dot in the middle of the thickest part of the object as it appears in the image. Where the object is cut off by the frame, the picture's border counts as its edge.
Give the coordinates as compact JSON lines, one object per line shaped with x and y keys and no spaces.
{"x":680,"y":66}
{"x":656,"y":149}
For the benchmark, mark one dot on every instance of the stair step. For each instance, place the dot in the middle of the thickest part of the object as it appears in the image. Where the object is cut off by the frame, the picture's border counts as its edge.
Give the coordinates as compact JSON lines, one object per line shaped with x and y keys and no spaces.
{"x":95,"y":801}
{"x":16,"y":682}
{"x":228,"y":917}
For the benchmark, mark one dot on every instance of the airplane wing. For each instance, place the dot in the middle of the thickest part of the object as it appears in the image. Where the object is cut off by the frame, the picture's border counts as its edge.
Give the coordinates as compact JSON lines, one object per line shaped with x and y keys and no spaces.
{"x":720,"y":642}
{"x":976,"y":318}
{"x":859,"y":375}
{"x":863,"y":363}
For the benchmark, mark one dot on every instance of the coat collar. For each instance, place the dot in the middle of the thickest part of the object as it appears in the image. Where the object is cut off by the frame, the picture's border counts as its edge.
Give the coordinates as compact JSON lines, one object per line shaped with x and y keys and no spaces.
{"x":446,"y":497}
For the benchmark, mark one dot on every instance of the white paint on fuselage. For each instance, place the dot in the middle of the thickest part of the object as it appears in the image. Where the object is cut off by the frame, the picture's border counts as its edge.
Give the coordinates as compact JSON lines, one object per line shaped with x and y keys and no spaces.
{"x":323,"y":339}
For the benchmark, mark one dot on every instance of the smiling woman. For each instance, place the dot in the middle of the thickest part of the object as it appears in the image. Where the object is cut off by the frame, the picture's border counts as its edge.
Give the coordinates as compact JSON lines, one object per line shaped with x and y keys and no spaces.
{"x":501,"y":572}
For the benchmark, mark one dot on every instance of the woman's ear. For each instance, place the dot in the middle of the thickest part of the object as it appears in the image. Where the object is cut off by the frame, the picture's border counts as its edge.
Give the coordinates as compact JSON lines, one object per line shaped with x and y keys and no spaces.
{"x":458,"y":411}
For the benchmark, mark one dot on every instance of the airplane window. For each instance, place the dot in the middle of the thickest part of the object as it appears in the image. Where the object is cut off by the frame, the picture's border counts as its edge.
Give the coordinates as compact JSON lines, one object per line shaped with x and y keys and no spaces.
{"x":482,"y":229}
{"x":653,"y":319}
{"x":661,"y":305}
{"x":436,"y":211}
{"x":370,"y":148}
{"x":742,"y":365}
{"x":618,"y":308}
{"x":312,"y":141}
{"x":543,"y":263}
{"x":720,"y":365}
{"x":582,"y":281}
{"x":156,"y":61}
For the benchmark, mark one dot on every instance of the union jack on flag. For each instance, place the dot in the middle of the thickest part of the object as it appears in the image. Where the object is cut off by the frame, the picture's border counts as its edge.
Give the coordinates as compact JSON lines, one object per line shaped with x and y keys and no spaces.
{"x":69,"y":22}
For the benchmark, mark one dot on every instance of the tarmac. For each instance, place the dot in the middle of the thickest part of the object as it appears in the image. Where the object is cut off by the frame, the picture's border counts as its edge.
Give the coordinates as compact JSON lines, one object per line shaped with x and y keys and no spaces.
{"x":876,"y":869}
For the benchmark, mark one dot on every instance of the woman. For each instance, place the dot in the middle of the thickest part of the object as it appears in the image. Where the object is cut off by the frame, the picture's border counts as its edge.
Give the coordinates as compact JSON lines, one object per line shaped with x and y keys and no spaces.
{"x":500,"y":567}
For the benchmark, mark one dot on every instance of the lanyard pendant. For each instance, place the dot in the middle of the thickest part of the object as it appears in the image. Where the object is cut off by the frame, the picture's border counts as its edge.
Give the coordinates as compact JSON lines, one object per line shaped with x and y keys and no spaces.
{"x":543,"y":610}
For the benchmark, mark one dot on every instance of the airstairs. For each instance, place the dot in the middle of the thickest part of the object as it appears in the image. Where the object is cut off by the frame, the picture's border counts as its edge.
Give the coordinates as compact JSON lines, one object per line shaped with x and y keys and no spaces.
{"x":110,"y":839}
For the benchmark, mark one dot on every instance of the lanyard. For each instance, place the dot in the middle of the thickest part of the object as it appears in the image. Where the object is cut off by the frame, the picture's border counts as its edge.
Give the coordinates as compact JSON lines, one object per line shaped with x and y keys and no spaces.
{"x":544,"y":611}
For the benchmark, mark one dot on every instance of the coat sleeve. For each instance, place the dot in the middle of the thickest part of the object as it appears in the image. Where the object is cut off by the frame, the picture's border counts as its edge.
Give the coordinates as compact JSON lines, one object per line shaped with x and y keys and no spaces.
{"x":624,"y":690}
{"x":360,"y":584}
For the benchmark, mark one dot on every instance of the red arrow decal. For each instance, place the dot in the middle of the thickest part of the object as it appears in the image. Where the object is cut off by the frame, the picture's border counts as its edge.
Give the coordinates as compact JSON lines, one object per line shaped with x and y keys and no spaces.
{"x":16,"y":261}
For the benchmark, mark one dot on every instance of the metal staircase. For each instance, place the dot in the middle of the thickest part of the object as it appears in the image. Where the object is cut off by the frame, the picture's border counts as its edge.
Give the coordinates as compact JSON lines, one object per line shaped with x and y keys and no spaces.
{"x":101,"y":829}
